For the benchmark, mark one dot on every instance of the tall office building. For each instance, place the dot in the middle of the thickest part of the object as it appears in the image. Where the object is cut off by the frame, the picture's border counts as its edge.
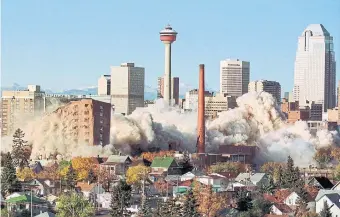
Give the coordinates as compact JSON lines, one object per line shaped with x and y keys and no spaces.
{"x":234,"y":77}
{"x":104,"y":85}
{"x":20,"y":105}
{"x":127,"y":87}
{"x":314,"y":75}
{"x":272,"y":87}
{"x":174,"y":89}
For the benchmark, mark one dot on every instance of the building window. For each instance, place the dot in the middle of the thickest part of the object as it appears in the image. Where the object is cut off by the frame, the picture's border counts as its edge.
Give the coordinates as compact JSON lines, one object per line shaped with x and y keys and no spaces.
{"x":86,"y":105}
{"x":101,"y":107}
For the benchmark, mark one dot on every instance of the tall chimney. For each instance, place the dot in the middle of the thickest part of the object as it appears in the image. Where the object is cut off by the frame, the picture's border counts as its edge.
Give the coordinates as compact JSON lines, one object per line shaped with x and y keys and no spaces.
{"x":200,"y":119}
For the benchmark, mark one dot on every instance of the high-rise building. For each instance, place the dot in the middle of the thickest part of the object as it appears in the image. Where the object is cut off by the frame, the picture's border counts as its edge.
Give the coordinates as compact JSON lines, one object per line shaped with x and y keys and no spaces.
{"x":272,"y":87}
{"x":314,"y":75}
{"x":104,"y":85}
{"x":127,"y":87}
{"x":218,"y":103}
{"x":85,"y":121}
{"x":234,"y":77}
{"x":174,"y":89}
{"x":20,"y":105}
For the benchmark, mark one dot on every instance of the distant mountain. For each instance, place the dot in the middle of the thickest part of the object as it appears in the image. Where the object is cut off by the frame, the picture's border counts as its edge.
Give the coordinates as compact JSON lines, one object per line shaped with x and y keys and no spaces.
{"x":150,"y":93}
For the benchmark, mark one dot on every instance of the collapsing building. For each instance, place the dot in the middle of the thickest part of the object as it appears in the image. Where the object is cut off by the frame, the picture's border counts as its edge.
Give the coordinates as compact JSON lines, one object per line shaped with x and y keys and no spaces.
{"x":85,"y":121}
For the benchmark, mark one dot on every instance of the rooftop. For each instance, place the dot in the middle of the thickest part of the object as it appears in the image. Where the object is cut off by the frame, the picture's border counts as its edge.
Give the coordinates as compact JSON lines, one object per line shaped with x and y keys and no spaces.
{"x":168,"y":30}
{"x":317,"y":30}
{"x":164,"y":162}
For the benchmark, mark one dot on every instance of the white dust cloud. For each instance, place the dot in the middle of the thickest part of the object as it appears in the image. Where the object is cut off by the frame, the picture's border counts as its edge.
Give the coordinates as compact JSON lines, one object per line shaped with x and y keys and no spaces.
{"x":256,"y":121}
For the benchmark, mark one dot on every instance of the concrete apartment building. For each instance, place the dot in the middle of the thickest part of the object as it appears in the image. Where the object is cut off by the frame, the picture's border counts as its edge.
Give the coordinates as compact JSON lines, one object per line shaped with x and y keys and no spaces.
{"x":272,"y":87}
{"x":174,"y":89}
{"x":85,"y":121}
{"x":234,"y":77}
{"x":218,"y":103}
{"x":191,"y":99}
{"x":18,"y":105}
{"x":314,"y":73}
{"x":127,"y":87}
{"x":104,"y":85}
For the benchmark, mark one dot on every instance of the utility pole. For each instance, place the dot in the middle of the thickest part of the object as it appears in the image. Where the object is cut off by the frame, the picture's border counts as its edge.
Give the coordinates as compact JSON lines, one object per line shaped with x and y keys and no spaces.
{"x":31,"y":203}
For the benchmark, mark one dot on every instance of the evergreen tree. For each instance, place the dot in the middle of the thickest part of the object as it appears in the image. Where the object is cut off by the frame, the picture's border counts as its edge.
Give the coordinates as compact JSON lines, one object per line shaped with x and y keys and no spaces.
{"x":325,"y":212}
{"x":71,"y":178}
{"x":244,"y":202}
{"x":190,"y":205}
{"x":120,"y":199}
{"x":91,"y":177}
{"x":291,"y":175}
{"x":145,"y":209}
{"x":9,"y":181}
{"x":25,"y":213}
{"x":19,"y":151}
{"x":269,"y":187}
{"x":186,"y":163}
{"x":171,"y":208}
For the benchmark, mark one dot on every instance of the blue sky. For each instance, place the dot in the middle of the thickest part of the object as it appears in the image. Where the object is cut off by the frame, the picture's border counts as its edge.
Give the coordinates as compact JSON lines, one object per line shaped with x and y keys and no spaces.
{"x":65,"y":44}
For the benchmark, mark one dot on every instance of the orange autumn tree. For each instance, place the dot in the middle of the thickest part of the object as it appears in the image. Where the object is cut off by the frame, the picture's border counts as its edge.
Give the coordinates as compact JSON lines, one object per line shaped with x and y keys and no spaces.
{"x":151,"y":155}
{"x":162,"y":186}
{"x":335,"y":153}
{"x":210,"y":203}
{"x":232,"y":167}
{"x":50,"y":172}
{"x":82,"y":166}
{"x":323,"y":156}
{"x":273,"y":168}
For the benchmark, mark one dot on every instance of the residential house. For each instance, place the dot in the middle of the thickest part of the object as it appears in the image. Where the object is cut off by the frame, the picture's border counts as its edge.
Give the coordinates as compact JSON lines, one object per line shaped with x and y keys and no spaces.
{"x":281,"y":209}
{"x":88,"y":189}
{"x":36,"y":167}
{"x":45,"y":187}
{"x":336,"y":187}
{"x":104,"y":200}
{"x":187,"y":176}
{"x":116,"y":164}
{"x":320,"y":182}
{"x":216,"y":181}
{"x":19,"y":203}
{"x":333,"y":201}
{"x":165,"y":165}
{"x":293,"y":198}
{"x":257,"y":179}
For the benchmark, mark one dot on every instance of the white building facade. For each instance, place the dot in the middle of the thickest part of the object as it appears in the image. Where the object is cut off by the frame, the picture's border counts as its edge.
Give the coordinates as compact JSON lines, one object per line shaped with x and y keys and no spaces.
{"x":272,"y":87}
{"x":314,"y":74}
{"x":104,"y":85}
{"x":127,"y":87}
{"x":191,"y":99}
{"x":234,"y":77}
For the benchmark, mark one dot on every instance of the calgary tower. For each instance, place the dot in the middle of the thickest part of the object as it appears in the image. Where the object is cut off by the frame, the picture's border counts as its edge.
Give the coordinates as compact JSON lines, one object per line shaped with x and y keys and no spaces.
{"x":167,"y":36}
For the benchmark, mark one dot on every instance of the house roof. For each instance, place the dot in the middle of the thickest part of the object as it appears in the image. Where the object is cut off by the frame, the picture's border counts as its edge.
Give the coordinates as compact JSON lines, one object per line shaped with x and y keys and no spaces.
{"x":25,"y":198}
{"x":84,"y":186}
{"x":116,"y":159}
{"x":256,"y":177}
{"x":46,"y":214}
{"x":164,"y":162}
{"x":323,"y":181}
{"x":337,"y":184}
{"x":335,"y":198}
{"x":283,"y":208}
{"x":187,"y":183}
{"x":323,"y":192}
{"x":228,"y":175}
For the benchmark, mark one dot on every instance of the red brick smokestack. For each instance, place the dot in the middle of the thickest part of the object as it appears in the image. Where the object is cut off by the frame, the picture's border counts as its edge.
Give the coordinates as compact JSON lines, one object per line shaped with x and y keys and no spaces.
{"x":201,"y":108}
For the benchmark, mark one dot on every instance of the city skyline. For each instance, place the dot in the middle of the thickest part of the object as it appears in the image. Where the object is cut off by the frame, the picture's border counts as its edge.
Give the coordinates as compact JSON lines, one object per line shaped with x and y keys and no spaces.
{"x":48,"y":51}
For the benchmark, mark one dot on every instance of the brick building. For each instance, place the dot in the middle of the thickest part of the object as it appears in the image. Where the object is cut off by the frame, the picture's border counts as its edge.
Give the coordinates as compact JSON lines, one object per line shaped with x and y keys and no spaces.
{"x":85,"y":121}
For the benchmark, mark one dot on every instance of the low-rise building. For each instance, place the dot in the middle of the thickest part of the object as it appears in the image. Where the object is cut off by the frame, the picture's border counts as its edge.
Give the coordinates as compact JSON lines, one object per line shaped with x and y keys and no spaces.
{"x":165,"y":165}
{"x":116,"y":164}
